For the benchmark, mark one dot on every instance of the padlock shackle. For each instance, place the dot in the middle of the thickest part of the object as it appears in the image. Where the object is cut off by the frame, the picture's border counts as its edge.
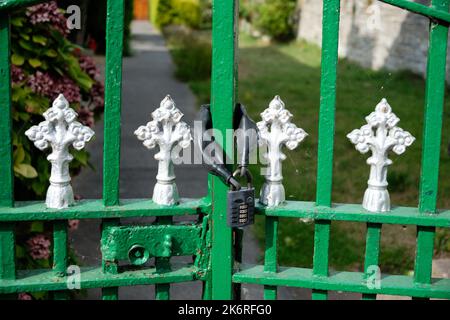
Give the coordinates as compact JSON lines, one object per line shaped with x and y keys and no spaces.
{"x":247,"y":128}
{"x":243,"y":171}
{"x":216,"y":165}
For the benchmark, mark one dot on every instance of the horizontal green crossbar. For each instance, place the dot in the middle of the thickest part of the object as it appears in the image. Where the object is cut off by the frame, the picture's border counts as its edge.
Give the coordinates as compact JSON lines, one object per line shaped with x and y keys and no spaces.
{"x":94,"y":277}
{"x":420,"y":9}
{"x":356,"y":213}
{"x":342,"y":281}
{"x":94,"y":209}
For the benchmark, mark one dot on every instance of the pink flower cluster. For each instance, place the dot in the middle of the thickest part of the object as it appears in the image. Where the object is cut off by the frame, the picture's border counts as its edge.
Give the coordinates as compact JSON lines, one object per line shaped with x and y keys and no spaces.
{"x":24,"y":296}
{"x":39,"y":247}
{"x":87,"y":64}
{"x":17,"y":74}
{"x":45,"y":84}
{"x":48,"y":12}
{"x":73,"y":224}
{"x":97,"y":93}
{"x":86,"y":116}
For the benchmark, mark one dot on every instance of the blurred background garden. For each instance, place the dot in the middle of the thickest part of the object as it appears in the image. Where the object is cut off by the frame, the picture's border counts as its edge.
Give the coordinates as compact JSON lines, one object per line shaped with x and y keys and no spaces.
{"x":278,"y":55}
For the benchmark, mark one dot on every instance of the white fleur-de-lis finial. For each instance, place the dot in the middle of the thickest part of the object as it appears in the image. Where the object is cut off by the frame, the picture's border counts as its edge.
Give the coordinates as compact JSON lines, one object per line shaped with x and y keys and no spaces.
{"x":166,"y":131}
{"x":380,"y":135}
{"x":60,"y":130}
{"x":276,"y":130}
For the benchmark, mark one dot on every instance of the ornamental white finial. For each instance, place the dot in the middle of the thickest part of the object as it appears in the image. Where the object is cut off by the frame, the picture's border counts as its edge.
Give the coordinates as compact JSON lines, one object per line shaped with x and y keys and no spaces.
{"x":60,"y":130}
{"x":380,"y":136}
{"x":165,"y":130}
{"x":276,"y":130}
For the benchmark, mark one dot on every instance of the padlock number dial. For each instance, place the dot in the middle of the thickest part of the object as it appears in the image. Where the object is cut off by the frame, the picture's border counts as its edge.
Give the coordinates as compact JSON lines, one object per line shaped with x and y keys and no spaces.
{"x":241,"y":207}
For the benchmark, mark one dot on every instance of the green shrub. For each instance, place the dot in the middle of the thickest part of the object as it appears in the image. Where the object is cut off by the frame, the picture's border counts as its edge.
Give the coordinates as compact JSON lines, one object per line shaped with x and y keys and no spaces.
{"x":179,"y":12}
{"x":276,"y":18}
{"x":191,"y":53}
{"x":246,"y":10}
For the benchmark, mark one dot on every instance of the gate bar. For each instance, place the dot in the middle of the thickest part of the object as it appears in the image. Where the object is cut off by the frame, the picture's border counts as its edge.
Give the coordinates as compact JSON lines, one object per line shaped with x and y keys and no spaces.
{"x":6,"y":168}
{"x":270,"y":255}
{"x":432,"y":132}
{"x":372,"y":253}
{"x":112,"y":120}
{"x":7,"y":236}
{"x":330,"y":42}
{"x":223,"y":93}
{"x":431,"y":12}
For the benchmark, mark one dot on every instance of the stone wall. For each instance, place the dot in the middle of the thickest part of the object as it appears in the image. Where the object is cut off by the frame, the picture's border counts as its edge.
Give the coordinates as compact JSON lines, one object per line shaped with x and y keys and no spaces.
{"x":374,"y":34}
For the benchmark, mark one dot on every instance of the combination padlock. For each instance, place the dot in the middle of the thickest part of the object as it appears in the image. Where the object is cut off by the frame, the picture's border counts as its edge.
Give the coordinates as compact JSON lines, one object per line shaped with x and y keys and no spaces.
{"x":241,"y":202}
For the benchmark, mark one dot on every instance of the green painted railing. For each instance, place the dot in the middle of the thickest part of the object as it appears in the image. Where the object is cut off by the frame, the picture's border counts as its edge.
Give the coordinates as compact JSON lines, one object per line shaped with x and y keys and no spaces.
{"x":426,"y":217}
{"x":214,"y":265}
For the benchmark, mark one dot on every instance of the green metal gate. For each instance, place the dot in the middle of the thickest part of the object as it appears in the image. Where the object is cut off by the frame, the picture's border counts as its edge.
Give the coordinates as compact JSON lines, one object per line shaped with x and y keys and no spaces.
{"x":210,"y":240}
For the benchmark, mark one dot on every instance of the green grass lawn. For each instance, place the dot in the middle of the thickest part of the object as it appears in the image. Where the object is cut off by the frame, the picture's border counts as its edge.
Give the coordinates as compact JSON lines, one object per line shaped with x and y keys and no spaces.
{"x":293,"y":72}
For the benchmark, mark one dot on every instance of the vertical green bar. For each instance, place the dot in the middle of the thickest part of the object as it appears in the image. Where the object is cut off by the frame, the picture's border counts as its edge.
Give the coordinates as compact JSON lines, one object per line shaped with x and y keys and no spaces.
{"x":7,"y":251}
{"x":162,"y":291}
{"x":60,"y":254}
{"x":270,"y":256}
{"x":238,"y":236}
{"x":60,"y":247}
{"x":109,"y":293}
{"x":113,"y":101}
{"x":320,"y":259}
{"x":7,"y":236}
{"x":330,"y":43}
{"x":372,"y":252}
{"x":6,"y":173}
{"x":434,"y":104}
{"x":223,"y":84}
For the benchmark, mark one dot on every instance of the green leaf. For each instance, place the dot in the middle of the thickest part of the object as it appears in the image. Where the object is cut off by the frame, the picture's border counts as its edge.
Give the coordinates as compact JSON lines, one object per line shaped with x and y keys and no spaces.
{"x":24,"y":116}
{"x":25,"y":170}
{"x":51,"y":53}
{"x":19,"y":155}
{"x":41,"y":295}
{"x":40,"y":39}
{"x":26,"y":45}
{"x":17,"y":59}
{"x":17,"y":21}
{"x":20,"y":93}
{"x":39,"y":187}
{"x":25,"y":36}
{"x":82,"y":157}
{"x":37,"y":226}
{"x":35,"y":62}
{"x":20,"y":251}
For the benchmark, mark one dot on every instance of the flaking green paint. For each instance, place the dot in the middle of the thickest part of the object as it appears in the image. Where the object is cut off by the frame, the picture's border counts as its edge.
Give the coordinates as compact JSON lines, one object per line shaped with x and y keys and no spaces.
{"x":184,"y":240}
